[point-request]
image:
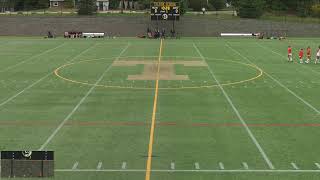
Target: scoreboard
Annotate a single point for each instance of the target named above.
(165, 11)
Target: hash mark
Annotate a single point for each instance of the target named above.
(294, 166)
(245, 165)
(124, 165)
(172, 166)
(75, 165)
(99, 165)
(221, 165)
(197, 166)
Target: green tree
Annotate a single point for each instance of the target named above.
(18, 5)
(42, 4)
(218, 4)
(235, 3)
(69, 3)
(304, 7)
(183, 5)
(300, 7)
(197, 5)
(87, 7)
(30, 4)
(145, 3)
(251, 8)
(316, 10)
(113, 4)
(278, 5)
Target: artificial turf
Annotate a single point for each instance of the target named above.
(248, 106)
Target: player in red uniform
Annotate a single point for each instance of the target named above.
(301, 56)
(308, 54)
(289, 54)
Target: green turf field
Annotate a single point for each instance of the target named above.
(225, 109)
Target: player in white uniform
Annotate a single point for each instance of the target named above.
(318, 56)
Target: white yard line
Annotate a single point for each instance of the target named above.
(278, 82)
(42, 78)
(194, 170)
(262, 152)
(31, 58)
(79, 103)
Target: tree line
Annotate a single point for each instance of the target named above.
(256, 8)
(244, 8)
(19, 5)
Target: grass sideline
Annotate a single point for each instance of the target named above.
(197, 133)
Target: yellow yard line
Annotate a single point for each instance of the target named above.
(153, 123)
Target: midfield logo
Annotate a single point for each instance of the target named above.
(167, 69)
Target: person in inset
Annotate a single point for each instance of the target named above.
(308, 54)
(289, 54)
(163, 33)
(149, 35)
(157, 33)
(301, 55)
(173, 33)
(318, 56)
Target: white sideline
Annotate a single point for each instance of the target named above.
(32, 57)
(41, 79)
(195, 171)
(79, 103)
(279, 83)
(262, 152)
